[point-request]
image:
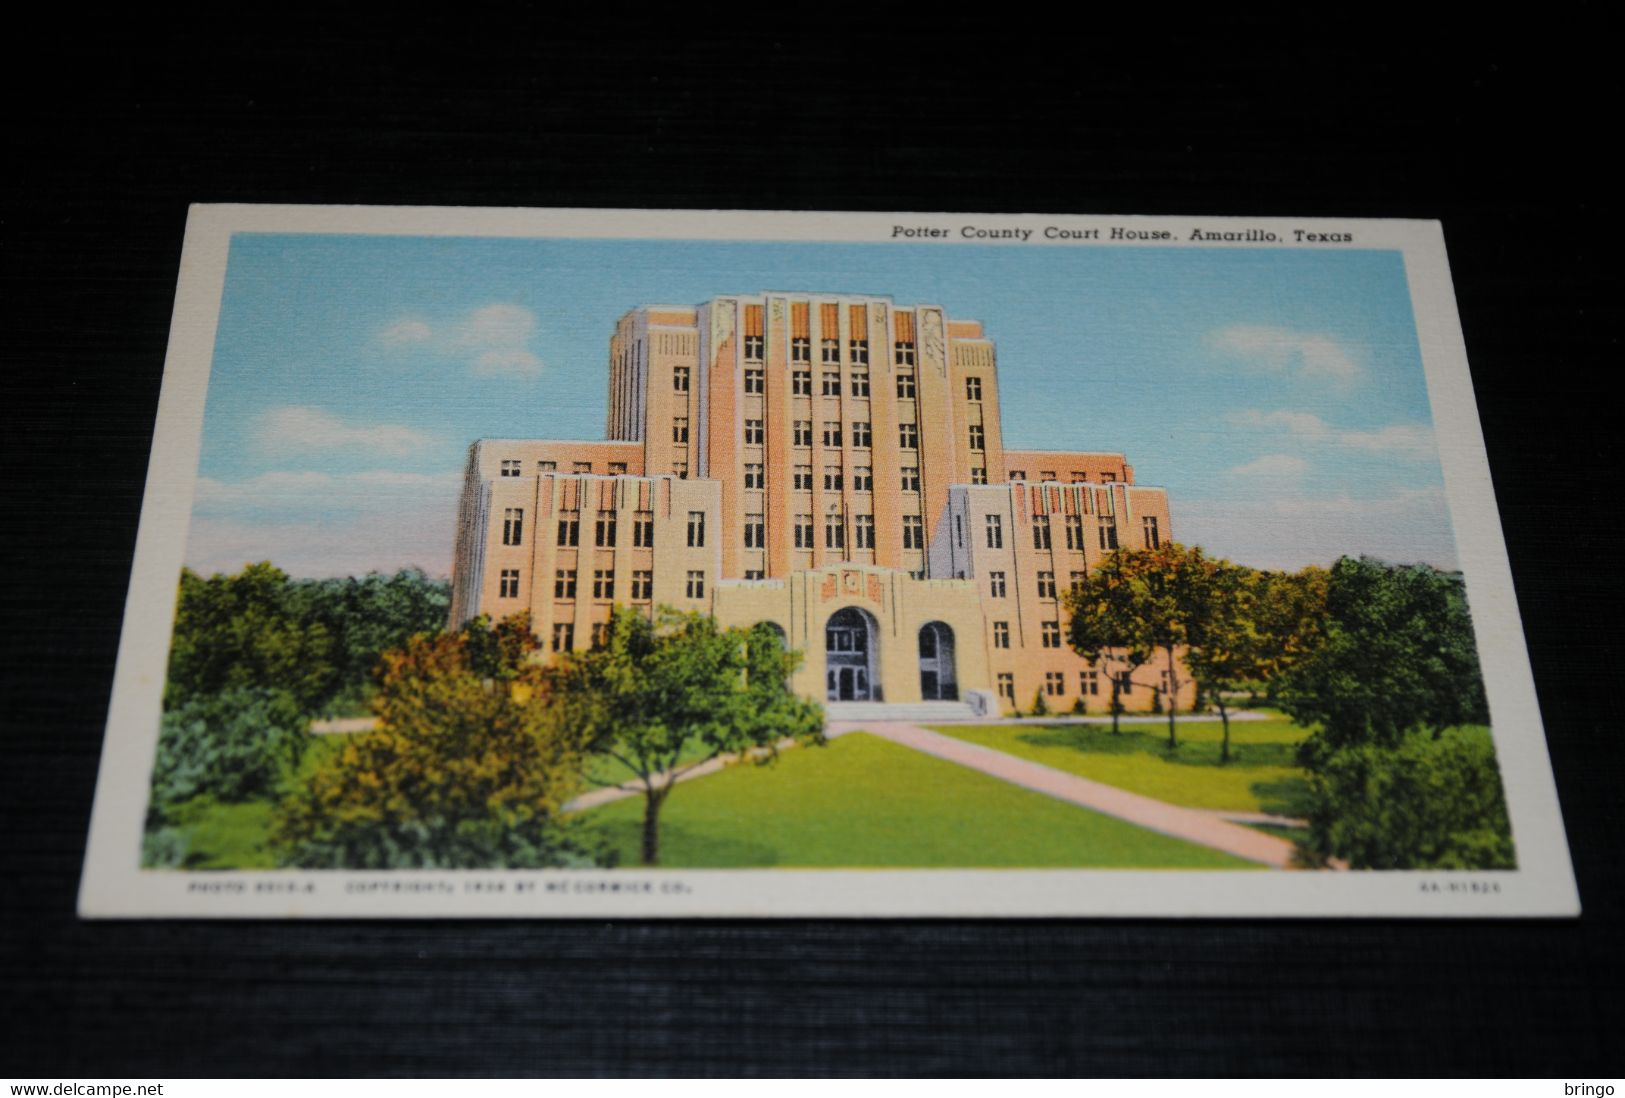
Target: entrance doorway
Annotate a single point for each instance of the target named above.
(850, 642)
(938, 681)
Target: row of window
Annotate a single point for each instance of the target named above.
(513, 467)
(863, 531)
(1055, 684)
(829, 349)
(1078, 476)
(605, 530)
(1049, 634)
(1106, 532)
(603, 584)
(801, 381)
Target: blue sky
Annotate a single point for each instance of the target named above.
(1277, 394)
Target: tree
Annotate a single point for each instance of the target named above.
(1104, 629)
(246, 630)
(465, 769)
(368, 615)
(1398, 654)
(1155, 600)
(665, 695)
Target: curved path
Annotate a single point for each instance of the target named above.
(1190, 824)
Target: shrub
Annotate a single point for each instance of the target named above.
(1433, 802)
(1040, 706)
(233, 746)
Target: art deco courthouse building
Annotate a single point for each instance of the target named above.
(834, 465)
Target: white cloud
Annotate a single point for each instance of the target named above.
(300, 429)
(1408, 526)
(407, 331)
(1282, 350)
(1412, 441)
(1273, 465)
(364, 491)
(493, 340)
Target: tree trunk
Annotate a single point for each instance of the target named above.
(1224, 715)
(1117, 703)
(1173, 695)
(651, 825)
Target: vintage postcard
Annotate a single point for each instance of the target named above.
(521, 563)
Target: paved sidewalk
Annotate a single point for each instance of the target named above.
(1189, 824)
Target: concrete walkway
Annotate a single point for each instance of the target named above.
(1189, 824)
(633, 787)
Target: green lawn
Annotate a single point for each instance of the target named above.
(225, 836)
(864, 802)
(1260, 777)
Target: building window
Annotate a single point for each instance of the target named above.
(513, 526)
(905, 352)
(755, 532)
(995, 532)
(1074, 579)
(1108, 533)
(1152, 538)
(1089, 683)
(834, 532)
(803, 478)
(1125, 685)
(973, 388)
(604, 530)
(1074, 532)
(564, 636)
(908, 436)
(1040, 531)
(862, 435)
(564, 583)
(1108, 478)
(679, 379)
(832, 478)
(600, 633)
(913, 532)
(1046, 475)
(755, 381)
(1078, 476)
(829, 350)
(617, 468)
(804, 532)
(801, 383)
(803, 432)
(755, 476)
(832, 383)
(905, 386)
(863, 478)
(1018, 474)
(696, 585)
(858, 351)
(680, 469)
(643, 585)
(1001, 634)
(863, 531)
(643, 529)
(1051, 634)
(753, 432)
(696, 529)
(800, 349)
(978, 475)
(1054, 683)
(679, 429)
(510, 584)
(995, 585)
(959, 530)
(569, 528)
(832, 434)
(1007, 686)
(911, 478)
(581, 467)
(603, 584)
(755, 347)
(978, 437)
(755, 574)
(860, 383)
(1046, 585)
(546, 466)
(510, 468)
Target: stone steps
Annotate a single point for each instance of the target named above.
(913, 711)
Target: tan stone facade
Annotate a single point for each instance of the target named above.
(833, 464)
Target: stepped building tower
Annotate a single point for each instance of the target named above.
(835, 465)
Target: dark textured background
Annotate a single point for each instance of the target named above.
(113, 130)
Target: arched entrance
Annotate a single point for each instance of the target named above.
(851, 642)
(938, 682)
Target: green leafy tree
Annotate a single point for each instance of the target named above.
(233, 746)
(465, 769)
(368, 615)
(1432, 802)
(1103, 627)
(1397, 654)
(666, 695)
(247, 631)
